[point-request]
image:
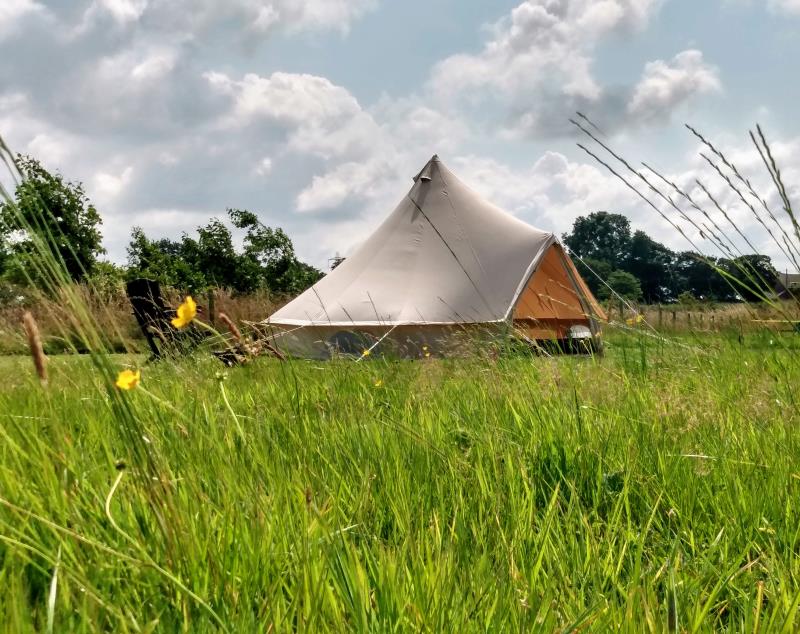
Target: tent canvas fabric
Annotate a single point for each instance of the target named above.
(444, 259)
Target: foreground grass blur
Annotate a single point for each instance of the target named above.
(654, 488)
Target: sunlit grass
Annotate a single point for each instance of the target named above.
(657, 485)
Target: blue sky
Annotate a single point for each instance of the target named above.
(316, 114)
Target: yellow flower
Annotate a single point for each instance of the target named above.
(128, 379)
(427, 354)
(635, 320)
(365, 353)
(378, 383)
(186, 313)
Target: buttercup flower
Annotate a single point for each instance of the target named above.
(378, 383)
(635, 320)
(128, 379)
(365, 353)
(186, 313)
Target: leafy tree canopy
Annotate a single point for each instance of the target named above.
(57, 213)
(267, 259)
(624, 284)
(601, 236)
(604, 248)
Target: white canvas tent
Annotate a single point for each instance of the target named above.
(445, 260)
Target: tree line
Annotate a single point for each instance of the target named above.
(611, 257)
(46, 207)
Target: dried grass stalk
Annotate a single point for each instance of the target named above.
(35, 345)
(231, 326)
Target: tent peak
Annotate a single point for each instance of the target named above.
(425, 173)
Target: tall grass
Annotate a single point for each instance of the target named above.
(654, 488)
(699, 216)
(111, 312)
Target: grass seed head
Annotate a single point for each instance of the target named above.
(35, 346)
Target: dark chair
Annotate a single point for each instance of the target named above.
(154, 319)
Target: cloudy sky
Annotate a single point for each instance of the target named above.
(316, 113)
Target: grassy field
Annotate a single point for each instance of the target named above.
(656, 488)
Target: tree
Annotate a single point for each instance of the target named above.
(213, 255)
(273, 251)
(754, 276)
(601, 236)
(107, 280)
(700, 276)
(162, 260)
(57, 212)
(653, 265)
(211, 260)
(594, 273)
(624, 284)
(604, 245)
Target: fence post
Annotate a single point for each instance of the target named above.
(212, 313)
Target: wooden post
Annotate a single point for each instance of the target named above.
(212, 312)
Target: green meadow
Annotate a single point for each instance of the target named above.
(654, 488)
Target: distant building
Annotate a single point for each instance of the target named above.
(788, 285)
(335, 261)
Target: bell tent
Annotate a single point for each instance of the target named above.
(444, 263)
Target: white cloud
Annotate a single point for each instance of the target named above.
(195, 17)
(123, 11)
(155, 65)
(13, 11)
(551, 193)
(266, 18)
(284, 97)
(364, 153)
(24, 132)
(136, 86)
(666, 85)
(537, 62)
(389, 145)
(364, 180)
(264, 167)
(316, 14)
(785, 6)
(108, 186)
(167, 158)
(141, 63)
(52, 147)
(317, 117)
